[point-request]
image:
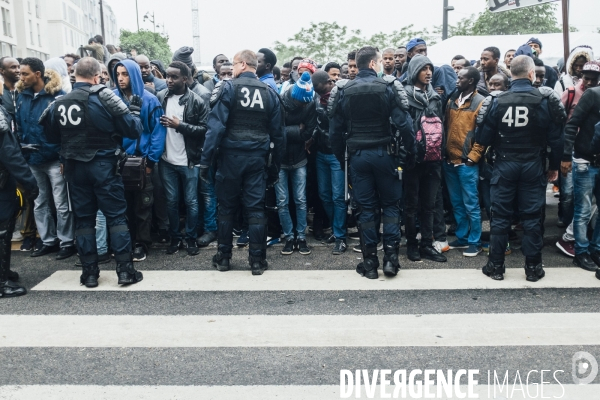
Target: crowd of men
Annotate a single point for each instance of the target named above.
(382, 141)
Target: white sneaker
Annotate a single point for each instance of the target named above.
(441, 247)
(17, 237)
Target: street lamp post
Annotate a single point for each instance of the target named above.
(445, 23)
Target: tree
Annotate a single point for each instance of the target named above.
(525, 20)
(151, 44)
(326, 41)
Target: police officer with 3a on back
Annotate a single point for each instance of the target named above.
(520, 123)
(90, 123)
(245, 118)
(362, 108)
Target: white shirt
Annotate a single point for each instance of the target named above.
(174, 144)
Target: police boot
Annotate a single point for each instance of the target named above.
(390, 260)
(534, 271)
(6, 230)
(221, 261)
(125, 271)
(494, 270)
(7, 287)
(89, 270)
(258, 265)
(368, 268)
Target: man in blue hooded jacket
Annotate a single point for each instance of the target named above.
(150, 146)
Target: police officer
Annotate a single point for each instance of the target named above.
(362, 108)
(245, 118)
(13, 168)
(520, 123)
(90, 123)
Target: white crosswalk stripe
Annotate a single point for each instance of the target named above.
(416, 279)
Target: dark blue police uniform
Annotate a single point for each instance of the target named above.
(13, 168)
(520, 124)
(90, 123)
(245, 118)
(362, 109)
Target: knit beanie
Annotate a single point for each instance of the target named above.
(184, 54)
(303, 89)
(308, 64)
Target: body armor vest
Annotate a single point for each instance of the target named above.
(368, 113)
(248, 118)
(520, 131)
(80, 139)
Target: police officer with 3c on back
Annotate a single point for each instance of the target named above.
(245, 119)
(520, 123)
(362, 108)
(90, 123)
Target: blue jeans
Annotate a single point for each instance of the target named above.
(297, 176)
(207, 194)
(330, 178)
(171, 176)
(462, 184)
(101, 233)
(584, 187)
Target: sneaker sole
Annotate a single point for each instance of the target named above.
(584, 268)
(304, 253)
(139, 259)
(458, 247)
(287, 253)
(564, 251)
(471, 254)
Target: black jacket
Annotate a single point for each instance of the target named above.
(193, 127)
(9, 101)
(295, 154)
(322, 131)
(580, 128)
(11, 158)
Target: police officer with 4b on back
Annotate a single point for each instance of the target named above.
(520, 124)
(362, 108)
(245, 120)
(90, 123)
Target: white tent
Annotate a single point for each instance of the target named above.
(472, 46)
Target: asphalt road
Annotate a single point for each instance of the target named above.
(164, 370)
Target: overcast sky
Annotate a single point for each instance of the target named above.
(227, 27)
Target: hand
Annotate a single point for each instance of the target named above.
(204, 173)
(135, 105)
(272, 176)
(307, 144)
(439, 91)
(552, 176)
(167, 122)
(149, 85)
(148, 170)
(565, 167)
(31, 195)
(62, 169)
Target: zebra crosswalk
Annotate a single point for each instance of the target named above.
(195, 333)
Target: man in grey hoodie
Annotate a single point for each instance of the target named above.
(422, 182)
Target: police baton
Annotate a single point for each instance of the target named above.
(346, 195)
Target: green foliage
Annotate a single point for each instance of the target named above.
(326, 41)
(151, 44)
(525, 20)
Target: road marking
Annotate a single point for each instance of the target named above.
(325, 392)
(446, 330)
(412, 279)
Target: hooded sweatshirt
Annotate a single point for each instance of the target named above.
(152, 142)
(118, 57)
(568, 78)
(419, 100)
